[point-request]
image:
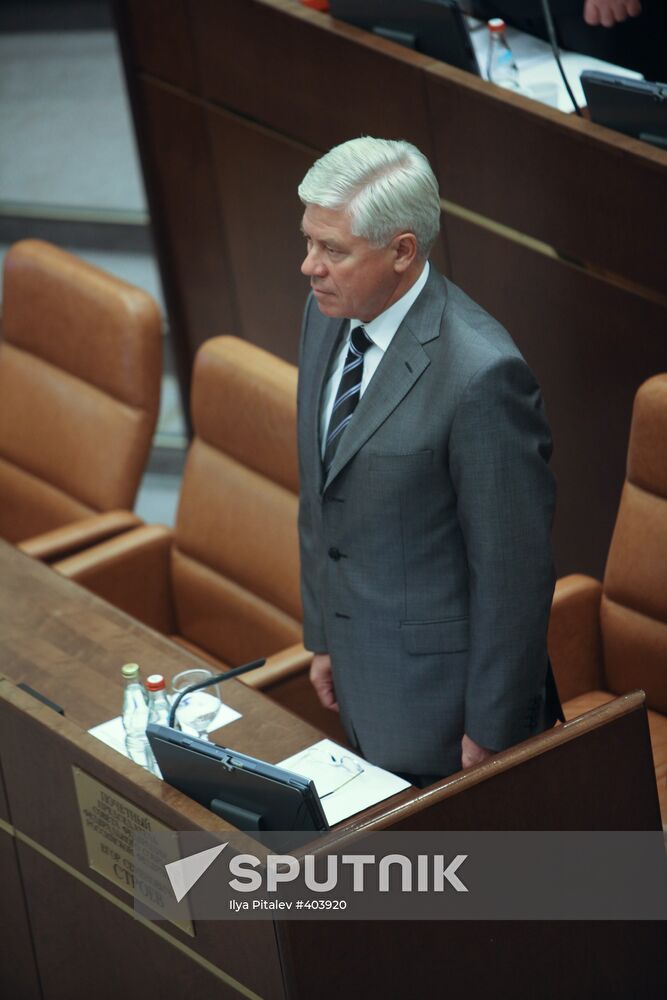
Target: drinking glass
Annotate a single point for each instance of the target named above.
(198, 709)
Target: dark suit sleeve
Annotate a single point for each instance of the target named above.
(314, 638)
(309, 544)
(499, 450)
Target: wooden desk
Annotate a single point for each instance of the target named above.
(69, 645)
(70, 933)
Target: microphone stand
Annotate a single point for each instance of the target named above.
(551, 31)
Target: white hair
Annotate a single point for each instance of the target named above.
(386, 186)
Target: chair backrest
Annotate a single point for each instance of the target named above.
(80, 372)
(235, 562)
(633, 613)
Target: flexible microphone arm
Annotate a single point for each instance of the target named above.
(551, 31)
(227, 676)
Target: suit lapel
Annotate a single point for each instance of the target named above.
(404, 362)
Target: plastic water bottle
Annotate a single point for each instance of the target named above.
(158, 704)
(135, 714)
(501, 67)
(158, 713)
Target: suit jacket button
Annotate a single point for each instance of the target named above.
(334, 553)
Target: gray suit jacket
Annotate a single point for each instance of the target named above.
(425, 555)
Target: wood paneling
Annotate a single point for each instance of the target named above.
(513, 959)
(88, 952)
(194, 251)
(159, 35)
(18, 973)
(593, 195)
(307, 76)
(259, 172)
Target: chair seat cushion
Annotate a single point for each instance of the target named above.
(657, 725)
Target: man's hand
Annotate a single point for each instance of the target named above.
(610, 12)
(473, 753)
(321, 677)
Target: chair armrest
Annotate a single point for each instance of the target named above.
(72, 538)
(279, 668)
(132, 571)
(575, 645)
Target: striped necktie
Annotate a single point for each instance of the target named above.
(349, 391)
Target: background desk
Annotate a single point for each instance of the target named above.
(69, 933)
(554, 225)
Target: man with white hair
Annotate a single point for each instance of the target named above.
(426, 498)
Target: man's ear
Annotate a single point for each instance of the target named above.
(405, 249)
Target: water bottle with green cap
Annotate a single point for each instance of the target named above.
(135, 711)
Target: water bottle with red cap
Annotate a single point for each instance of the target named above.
(158, 703)
(501, 67)
(135, 709)
(158, 713)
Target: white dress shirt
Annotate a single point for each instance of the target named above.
(381, 332)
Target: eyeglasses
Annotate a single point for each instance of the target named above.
(329, 771)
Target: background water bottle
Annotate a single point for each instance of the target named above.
(501, 67)
(135, 711)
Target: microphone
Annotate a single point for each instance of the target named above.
(227, 676)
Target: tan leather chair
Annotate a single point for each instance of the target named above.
(610, 638)
(225, 582)
(80, 372)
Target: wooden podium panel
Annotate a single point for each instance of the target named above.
(513, 959)
(18, 973)
(96, 949)
(71, 905)
(613, 791)
(597, 779)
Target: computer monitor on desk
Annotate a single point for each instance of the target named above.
(634, 107)
(435, 27)
(249, 793)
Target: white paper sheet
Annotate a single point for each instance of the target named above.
(347, 784)
(113, 734)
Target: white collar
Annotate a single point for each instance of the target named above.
(381, 330)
